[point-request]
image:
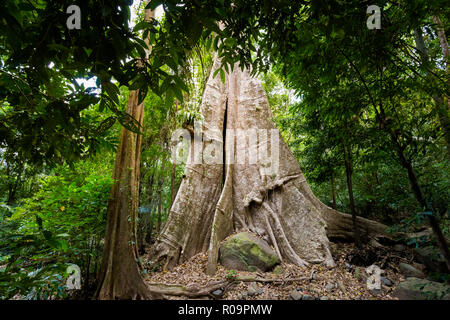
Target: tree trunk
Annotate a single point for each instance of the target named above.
(442, 106)
(269, 197)
(144, 221)
(12, 187)
(444, 111)
(415, 186)
(158, 226)
(333, 192)
(349, 172)
(119, 276)
(443, 42)
(174, 164)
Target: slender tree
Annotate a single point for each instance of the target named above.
(120, 276)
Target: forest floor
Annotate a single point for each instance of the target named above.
(346, 281)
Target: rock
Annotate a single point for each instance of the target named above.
(386, 281)
(348, 266)
(307, 297)
(421, 289)
(431, 258)
(251, 292)
(360, 274)
(246, 252)
(375, 292)
(278, 270)
(252, 289)
(295, 295)
(410, 271)
(217, 293)
(330, 286)
(324, 298)
(399, 248)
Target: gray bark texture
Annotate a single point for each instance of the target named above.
(272, 201)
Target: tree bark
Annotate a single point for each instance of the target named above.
(158, 225)
(277, 204)
(348, 159)
(174, 164)
(333, 192)
(119, 276)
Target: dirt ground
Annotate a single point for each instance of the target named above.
(347, 281)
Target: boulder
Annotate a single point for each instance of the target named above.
(431, 258)
(246, 252)
(410, 271)
(421, 289)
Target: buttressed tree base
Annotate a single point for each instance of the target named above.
(269, 197)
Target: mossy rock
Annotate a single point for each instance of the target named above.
(421, 289)
(246, 252)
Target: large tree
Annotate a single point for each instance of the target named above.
(233, 184)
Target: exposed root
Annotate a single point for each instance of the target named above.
(195, 291)
(340, 227)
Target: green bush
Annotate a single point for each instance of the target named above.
(62, 224)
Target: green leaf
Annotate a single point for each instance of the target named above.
(222, 75)
(153, 4)
(112, 90)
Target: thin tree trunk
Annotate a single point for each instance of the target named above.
(441, 106)
(443, 42)
(333, 193)
(174, 164)
(144, 221)
(158, 226)
(119, 276)
(88, 268)
(444, 114)
(148, 237)
(348, 159)
(415, 186)
(13, 187)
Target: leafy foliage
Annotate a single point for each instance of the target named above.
(62, 224)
